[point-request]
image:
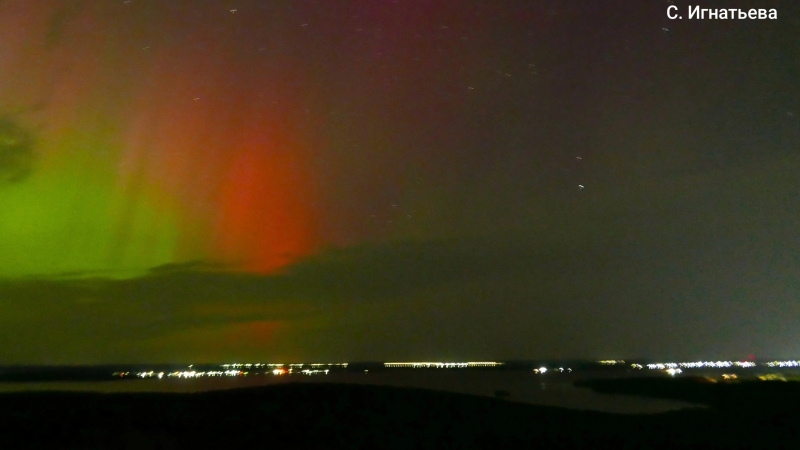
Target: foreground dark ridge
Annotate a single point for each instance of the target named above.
(779, 397)
(351, 416)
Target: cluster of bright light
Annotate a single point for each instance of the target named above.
(662, 366)
(701, 364)
(441, 365)
(260, 365)
(231, 371)
(542, 370)
(150, 374)
(784, 364)
(636, 366)
(249, 366)
(195, 374)
(772, 377)
(729, 376)
(611, 362)
(283, 371)
(674, 372)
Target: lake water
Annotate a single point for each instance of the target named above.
(526, 387)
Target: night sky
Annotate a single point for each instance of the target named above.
(286, 181)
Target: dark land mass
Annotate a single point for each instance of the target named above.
(780, 397)
(354, 416)
(32, 374)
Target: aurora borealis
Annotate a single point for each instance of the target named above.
(153, 151)
(421, 179)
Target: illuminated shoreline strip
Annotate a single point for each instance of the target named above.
(701, 364)
(324, 368)
(442, 365)
(258, 365)
(783, 364)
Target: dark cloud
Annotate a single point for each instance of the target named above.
(643, 272)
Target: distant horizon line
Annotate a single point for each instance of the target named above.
(397, 363)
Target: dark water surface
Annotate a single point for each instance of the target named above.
(548, 389)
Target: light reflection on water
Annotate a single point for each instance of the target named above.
(549, 389)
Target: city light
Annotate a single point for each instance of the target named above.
(702, 364)
(772, 377)
(441, 365)
(543, 370)
(279, 369)
(611, 362)
(275, 365)
(783, 364)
